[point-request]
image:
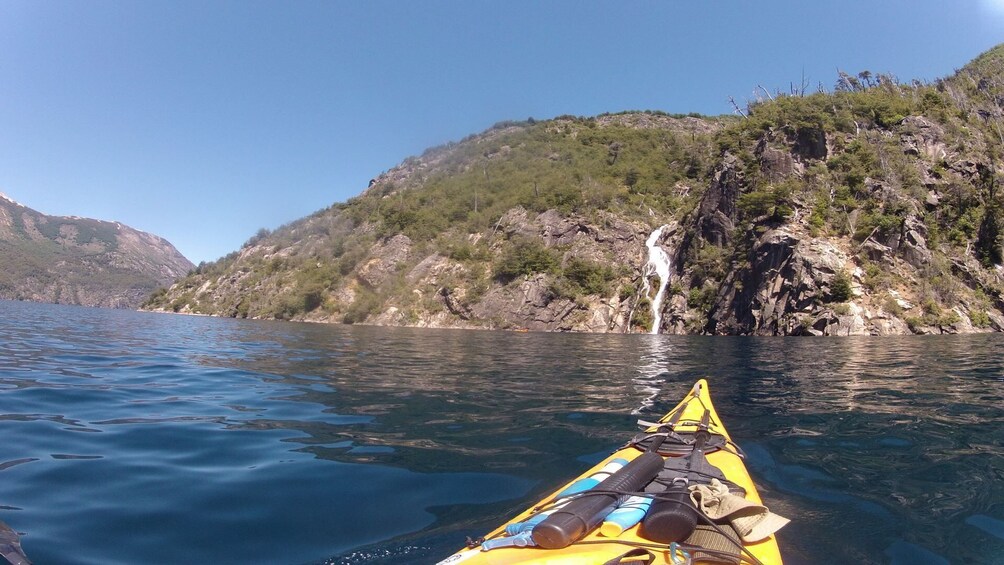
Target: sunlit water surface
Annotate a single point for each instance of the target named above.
(142, 438)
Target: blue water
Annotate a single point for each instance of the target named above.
(148, 438)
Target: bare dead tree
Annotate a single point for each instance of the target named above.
(801, 88)
(497, 224)
(847, 83)
(738, 110)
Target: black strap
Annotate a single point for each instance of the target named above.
(639, 555)
(677, 443)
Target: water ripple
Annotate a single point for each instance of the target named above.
(230, 441)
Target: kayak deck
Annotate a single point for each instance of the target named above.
(685, 418)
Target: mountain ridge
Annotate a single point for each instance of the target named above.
(82, 261)
(872, 209)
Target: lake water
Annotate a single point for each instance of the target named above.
(131, 437)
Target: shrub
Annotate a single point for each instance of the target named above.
(931, 308)
(979, 318)
(892, 306)
(988, 241)
(464, 251)
(949, 318)
(642, 318)
(261, 234)
(708, 263)
(525, 256)
(156, 299)
(858, 162)
(875, 277)
(625, 293)
(590, 277)
(756, 203)
(243, 308)
(840, 287)
(817, 218)
(702, 298)
(365, 304)
(311, 297)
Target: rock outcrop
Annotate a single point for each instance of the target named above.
(716, 216)
(787, 277)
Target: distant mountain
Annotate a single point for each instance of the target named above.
(71, 260)
(875, 208)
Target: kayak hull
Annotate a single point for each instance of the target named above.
(595, 548)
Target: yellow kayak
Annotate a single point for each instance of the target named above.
(677, 493)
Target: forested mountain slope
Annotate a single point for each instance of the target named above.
(71, 260)
(871, 209)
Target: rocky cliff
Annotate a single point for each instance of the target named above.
(70, 260)
(871, 209)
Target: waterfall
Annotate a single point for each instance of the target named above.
(658, 264)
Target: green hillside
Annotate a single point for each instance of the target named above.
(872, 208)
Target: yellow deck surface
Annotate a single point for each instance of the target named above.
(601, 549)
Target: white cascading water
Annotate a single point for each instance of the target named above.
(658, 264)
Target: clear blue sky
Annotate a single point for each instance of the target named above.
(203, 121)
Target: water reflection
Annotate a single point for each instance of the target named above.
(894, 443)
(653, 368)
(439, 400)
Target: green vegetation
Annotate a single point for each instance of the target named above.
(365, 304)
(771, 200)
(569, 164)
(933, 316)
(702, 298)
(880, 167)
(642, 319)
(525, 257)
(588, 277)
(988, 241)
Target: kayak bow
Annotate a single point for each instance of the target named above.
(687, 456)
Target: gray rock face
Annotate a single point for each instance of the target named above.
(776, 164)
(556, 229)
(787, 276)
(453, 303)
(913, 243)
(717, 213)
(385, 258)
(922, 137)
(810, 143)
(515, 222)
(528, 304)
